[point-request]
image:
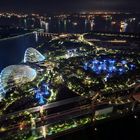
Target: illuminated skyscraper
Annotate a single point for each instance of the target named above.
(46, 27)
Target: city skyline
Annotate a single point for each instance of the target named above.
(55, 6)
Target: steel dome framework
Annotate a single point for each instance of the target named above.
(14, 75)
(32, 55)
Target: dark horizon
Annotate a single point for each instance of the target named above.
(63, 6)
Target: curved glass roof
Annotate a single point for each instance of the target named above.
(32, 55)
(14, 75)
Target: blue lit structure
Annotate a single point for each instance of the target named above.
(40, 98)
(132, 66)
(41, 93)
(108, 67)
(124, 62)
(45, 89)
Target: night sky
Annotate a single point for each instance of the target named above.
(69, 5)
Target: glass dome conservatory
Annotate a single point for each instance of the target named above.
(14, 75)
(32, 55)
